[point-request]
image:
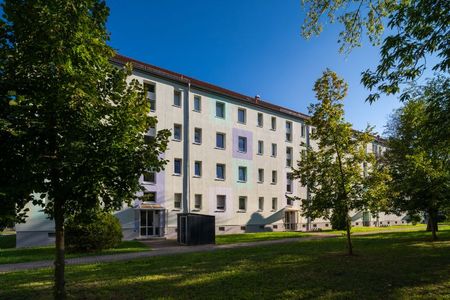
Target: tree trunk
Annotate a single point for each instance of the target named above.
(432, 224)
(60, 284)
(349, 239)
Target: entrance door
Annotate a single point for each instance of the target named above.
(149, 223)
(290, 220)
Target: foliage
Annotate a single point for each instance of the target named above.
(334, 173)
(71, 125)
(419, 151)
(418, 29)
(102, 231)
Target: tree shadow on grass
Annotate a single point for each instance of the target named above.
(384, 267)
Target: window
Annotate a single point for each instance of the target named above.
(274, 177)
(304, 154)
(177, 166)
(198, 201)
(274, 150)
(260, 120)
(198, 168)
(150, 135)
(197, 103)
(289, 186)
(177, 132)
(241, 115)
(149, 196)
(303, 130)
(177, 201)
(220, 171)
(289, 201)
(260, 175)
(260, 147)
(274, 203)
(313, 130)
(177, 98)
(221, 202)
(220, 140)
(242, 142)
(150, 177)
(242, 203)
(288, 131)
(197, 136)
(274, 123)
(242, 173)
(220, 110)
(261, 203)
(288, 157)
(151, 96)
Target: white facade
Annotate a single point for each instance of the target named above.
(254, 161)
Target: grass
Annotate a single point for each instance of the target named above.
(255, 237)
(386, 228)
(13, 255)
(391, 265)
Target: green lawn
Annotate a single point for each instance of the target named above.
(386, 228)
(255, 237)
(8, 256)
(386, 266)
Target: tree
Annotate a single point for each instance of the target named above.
(419, 151)
(335, 172)
(72, 128)
(418, 29)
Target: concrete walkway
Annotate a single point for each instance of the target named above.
(170, 247)
(158, 249)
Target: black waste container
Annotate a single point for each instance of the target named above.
(196, 229)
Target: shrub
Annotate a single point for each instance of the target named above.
(98, 232)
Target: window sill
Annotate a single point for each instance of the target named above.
(260, 210)
(274, 156)
(273, 183)
(260, 154)
(219, 179)
(273, 129)
(178, 106)
(219, 211)
(176, 140)
(242, 181)
(197, 143)
(197, 176)
(241, 211)
(222, 118)
(260, 182)
(218, 148)
(259, 126)
(176, 174)
(176, 209)
(242, 123)
(290, 193)
(197, 209)
(243, 152)
(197, 111)
(148, 182)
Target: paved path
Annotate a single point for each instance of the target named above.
(170, 247)
(157, 251)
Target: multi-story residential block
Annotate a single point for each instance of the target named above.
(229, 156)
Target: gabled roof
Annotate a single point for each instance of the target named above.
(167, 74)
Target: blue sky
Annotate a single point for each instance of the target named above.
(249, 46)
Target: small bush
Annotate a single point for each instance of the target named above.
(102, 231)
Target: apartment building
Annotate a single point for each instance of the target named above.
(230, 156)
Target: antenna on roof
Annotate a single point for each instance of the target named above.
(257, 98)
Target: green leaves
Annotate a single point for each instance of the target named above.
(333, 172)
(419, 30)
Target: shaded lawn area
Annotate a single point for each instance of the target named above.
(389, 265)
(9, 256)
(255, 237)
